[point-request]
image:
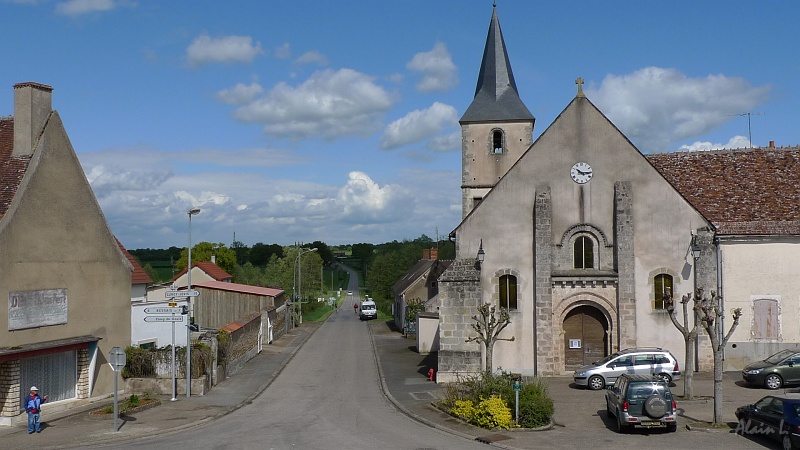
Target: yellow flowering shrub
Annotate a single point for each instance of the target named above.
(493, 413)
(463, 409)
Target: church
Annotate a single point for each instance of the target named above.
(579, 235)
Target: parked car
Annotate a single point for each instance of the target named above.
(641, 361)
(775, 416)
(641, 401)
(777, 370)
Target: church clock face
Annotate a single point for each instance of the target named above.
(581, 172)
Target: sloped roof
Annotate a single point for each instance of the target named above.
(214, 271)
(496, 96)
(12, 168)
(752, 191)
(240, 288)
(138, 276)
(432, 267)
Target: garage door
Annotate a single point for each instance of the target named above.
(585, 337)
(56, 375)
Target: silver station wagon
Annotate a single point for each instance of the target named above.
(635, 361)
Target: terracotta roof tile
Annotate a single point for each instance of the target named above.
(12, 169)
(138, 276)
(240, 288)
(744, 191)
(214, 271)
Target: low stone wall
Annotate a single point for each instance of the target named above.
(163, 386)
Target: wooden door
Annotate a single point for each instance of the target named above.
(585, 337)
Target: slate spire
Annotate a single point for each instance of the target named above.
(496, 96)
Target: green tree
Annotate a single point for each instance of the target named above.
(260, 253)
(241, 251)
(249, 274)
(148, 269)
(226, 258)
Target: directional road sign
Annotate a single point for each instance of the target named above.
(163, 310)
(182, 293)
(163, 318)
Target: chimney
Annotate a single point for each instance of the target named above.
(771, 144)
(32, 105)
(213, 259)
(426, 253)
(434, 254)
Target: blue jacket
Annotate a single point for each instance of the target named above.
(33, 404)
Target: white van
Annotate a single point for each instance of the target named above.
(367, 310)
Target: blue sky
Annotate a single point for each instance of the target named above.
(337, 121)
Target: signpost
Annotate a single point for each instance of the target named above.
(163, 319)
(172, 309)
(182, 293)
(117, 361)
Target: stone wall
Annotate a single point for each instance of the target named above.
(9, 388)
(460, 295)
(544, 354)
(83, 387)
(626, 266)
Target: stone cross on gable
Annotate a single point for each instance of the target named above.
(579, 82)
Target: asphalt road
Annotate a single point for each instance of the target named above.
(327, 397)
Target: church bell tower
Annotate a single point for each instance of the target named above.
(497, 127)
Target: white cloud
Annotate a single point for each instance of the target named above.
(446, 143)
(313, 57)
(419, 125)
(240, 94)
(436, 67)
(734, 142)
(283, 51)
(655, 106)
(78, 7)
(227, 49)
(329, 104)
(362, 200)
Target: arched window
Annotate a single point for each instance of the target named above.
(662, 285)
(508, 292)
(584, 253)
(497, 141)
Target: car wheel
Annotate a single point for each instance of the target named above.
(666, 378)
(672, 427)
(773, 381)
(655, 406)
(786, 443)
(596, 383)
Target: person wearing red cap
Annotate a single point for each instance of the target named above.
(33, 406)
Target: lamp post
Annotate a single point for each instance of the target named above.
(191, 212)
(696, 250)
(300, 252)
(481, 255)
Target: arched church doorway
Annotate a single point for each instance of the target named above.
(585, 336)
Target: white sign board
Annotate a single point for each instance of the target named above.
(163, 318)
(182, 293)
(163, 310)
(31, 309)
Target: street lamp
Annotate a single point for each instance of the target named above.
(481, 256)
(300, 252)
(696, 250)
(191, 212)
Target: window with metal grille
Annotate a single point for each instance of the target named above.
(56, 375)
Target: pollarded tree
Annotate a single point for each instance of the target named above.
(488, 326)
(689, 338)
(709, 311)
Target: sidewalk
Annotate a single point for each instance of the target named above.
(75, 427)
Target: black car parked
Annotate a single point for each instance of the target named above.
(775, 416)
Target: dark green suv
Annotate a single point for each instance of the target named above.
(641, 401)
